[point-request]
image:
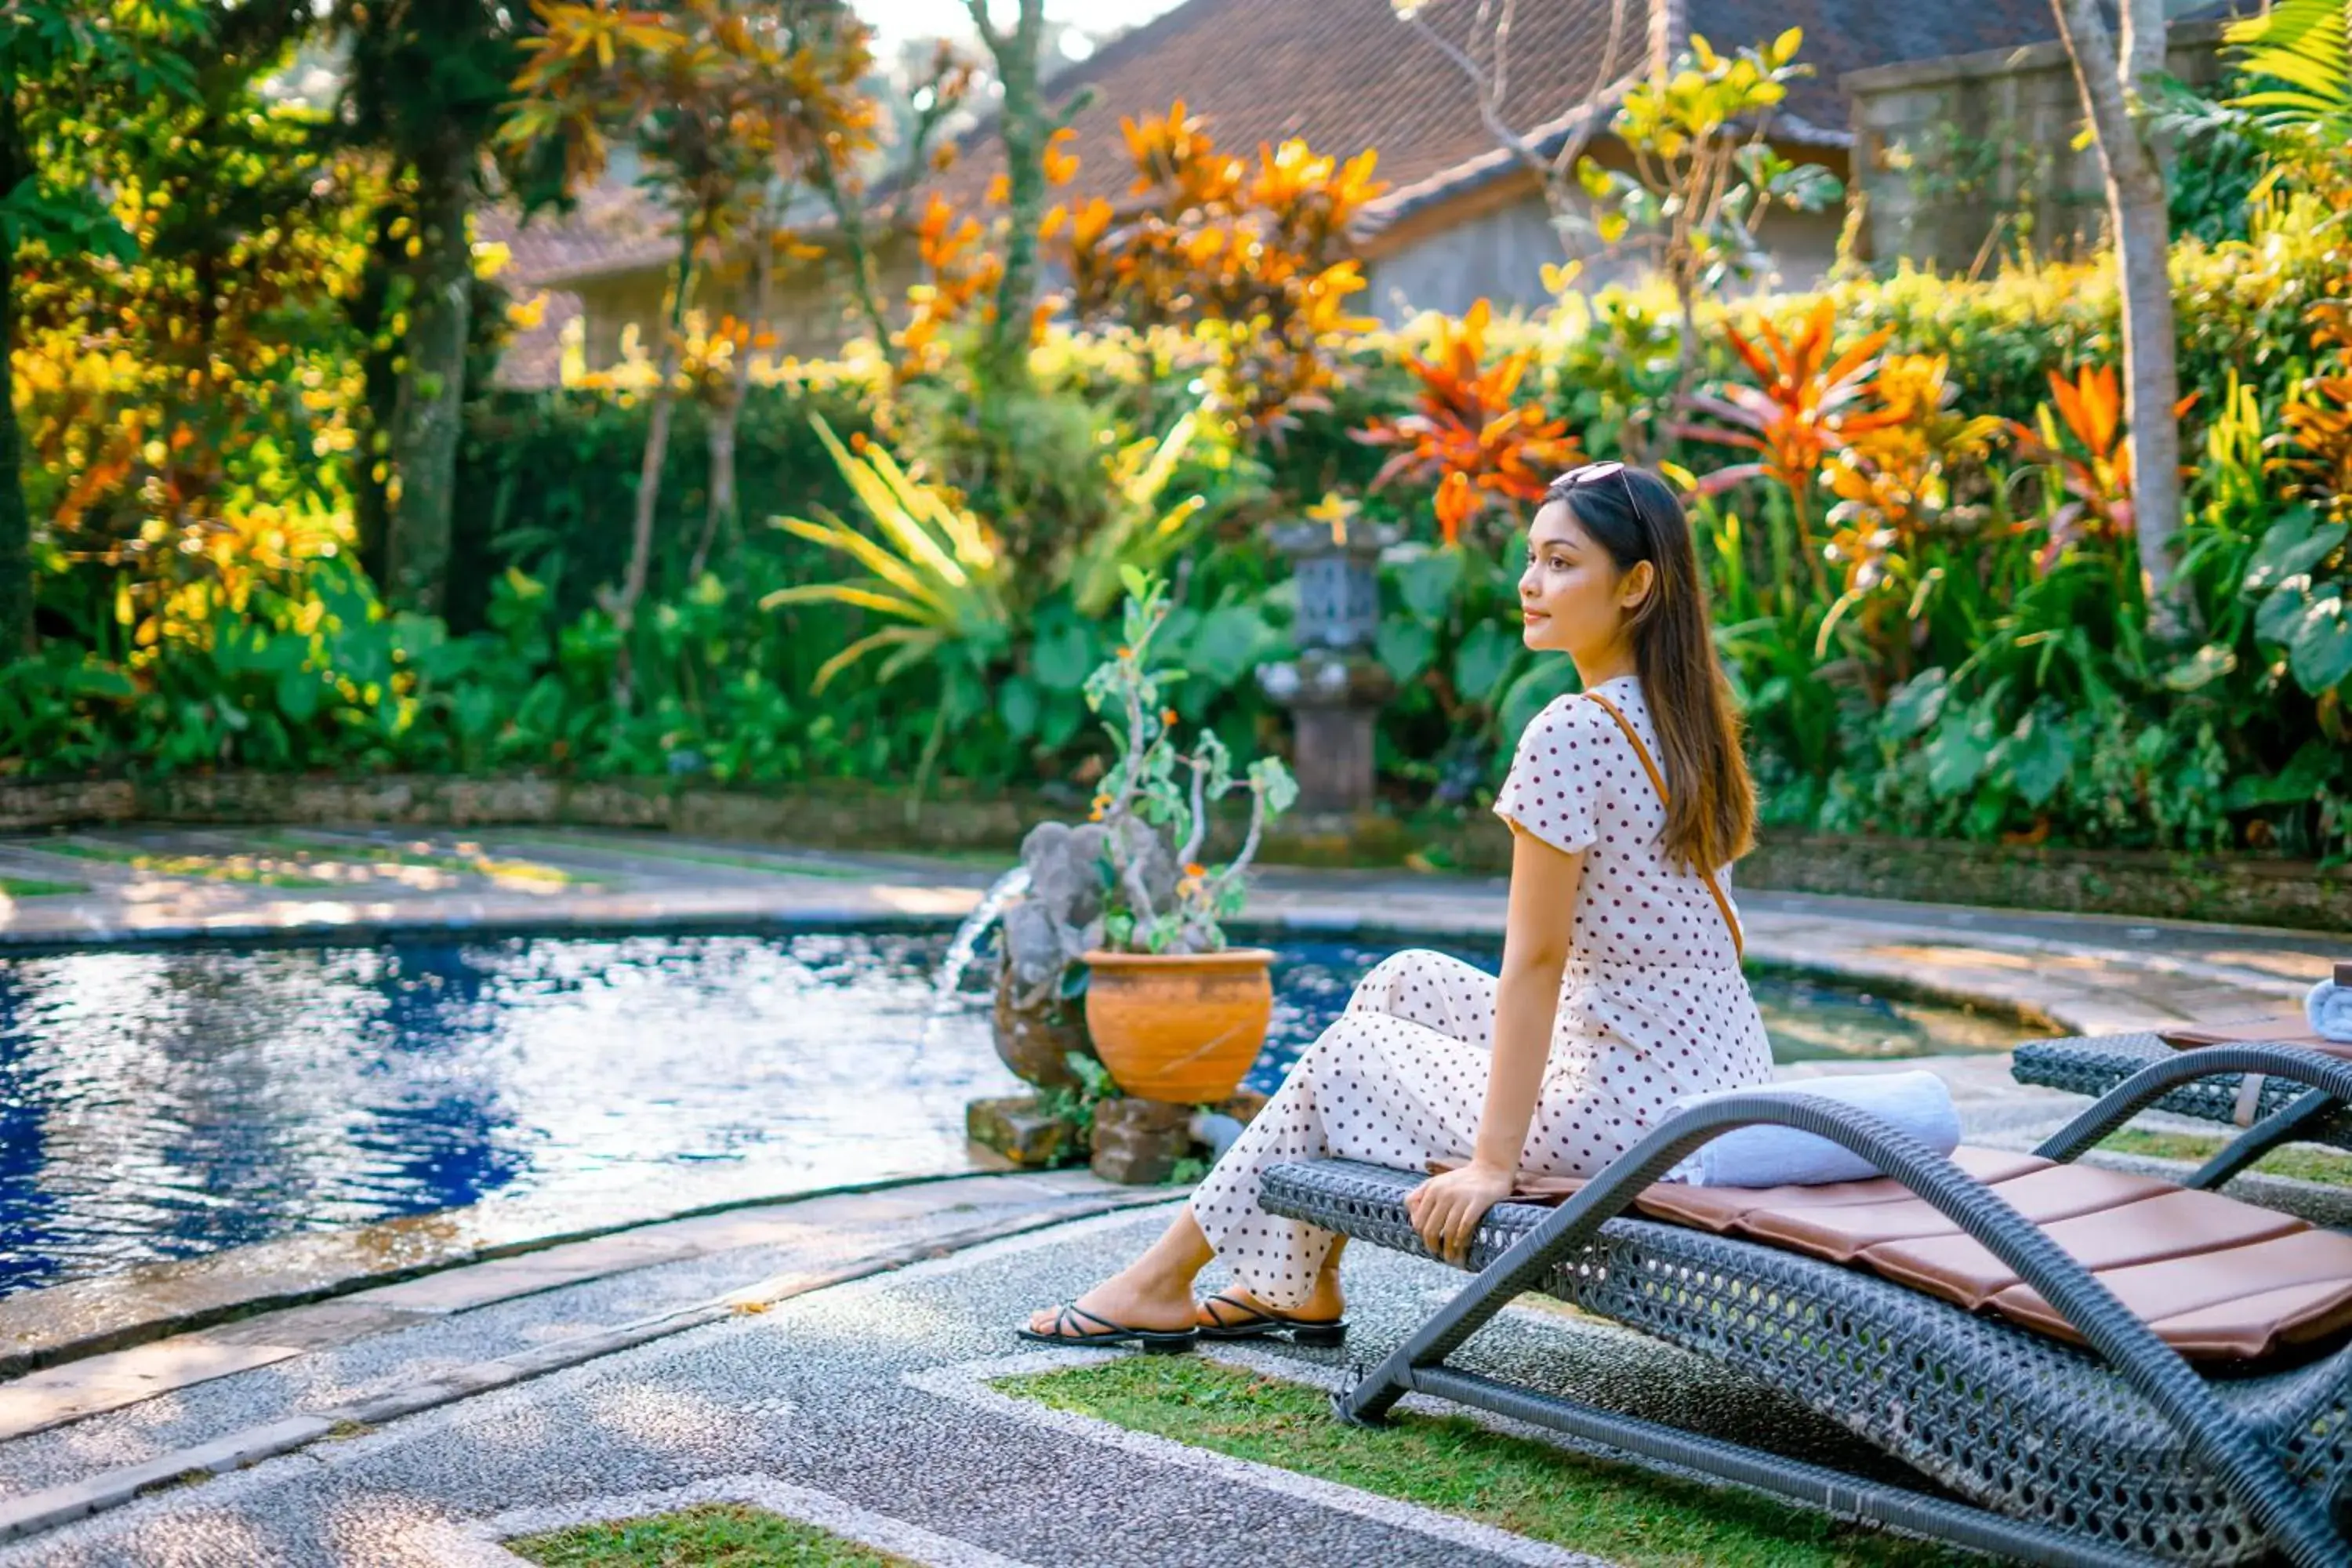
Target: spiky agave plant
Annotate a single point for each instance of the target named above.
(933, 572)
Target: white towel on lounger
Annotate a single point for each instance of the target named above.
(1770, 1156)
(2329, 1009)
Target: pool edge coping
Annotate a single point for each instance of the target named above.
(1987, 997)
(27, 1514)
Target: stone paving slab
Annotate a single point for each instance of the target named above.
(98, 1383)
(105, 1312)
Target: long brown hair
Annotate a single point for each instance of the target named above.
(1711, 801)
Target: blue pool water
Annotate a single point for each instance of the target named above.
(164, 1104)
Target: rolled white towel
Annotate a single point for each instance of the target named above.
(1917, 1101)
(2329, 1009)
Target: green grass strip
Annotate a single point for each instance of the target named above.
(208, 867)
(720, 1535)
(35, 887)
(1456, 1465)
(2300, 1162)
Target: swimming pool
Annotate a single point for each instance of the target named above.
(168, 1103)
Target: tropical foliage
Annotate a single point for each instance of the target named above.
(1910, 492)
(1169, 794)
(1470, 436)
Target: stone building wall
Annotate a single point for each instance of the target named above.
(1965, 157)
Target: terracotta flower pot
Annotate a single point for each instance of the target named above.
(1179, 1026)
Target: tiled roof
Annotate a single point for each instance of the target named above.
(1346, 75)
(614, 228)
(1343, 74)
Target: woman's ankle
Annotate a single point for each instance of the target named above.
(1155, 1280)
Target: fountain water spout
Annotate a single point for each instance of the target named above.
(948, 982)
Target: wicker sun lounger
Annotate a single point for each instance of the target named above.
(2092, 1065)
(2064, 1427)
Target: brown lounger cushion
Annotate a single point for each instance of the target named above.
(2173, 1224)
(2289, 1029)
(1721, 1209)
(2216, 1278)
(2236, 1303)
(1842, 1235)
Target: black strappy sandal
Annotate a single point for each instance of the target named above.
(1159, 1342)
(1256, 1322)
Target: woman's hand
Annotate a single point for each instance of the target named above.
(1445, 1210)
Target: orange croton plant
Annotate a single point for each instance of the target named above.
(1810, 403)
(1253, 256)
(2319, 418)
(2094, 470)
(1898, 480)
(1469, 432)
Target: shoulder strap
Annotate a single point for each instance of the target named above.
(1658, 781)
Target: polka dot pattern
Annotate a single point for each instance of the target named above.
(1652, 1007)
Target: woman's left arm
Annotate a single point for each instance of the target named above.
(1445, 1210)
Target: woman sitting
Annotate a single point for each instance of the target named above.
(1621, 989)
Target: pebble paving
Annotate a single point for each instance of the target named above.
(816, 1394)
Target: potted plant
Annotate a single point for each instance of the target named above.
(1123, 906)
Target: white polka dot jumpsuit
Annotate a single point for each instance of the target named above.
(1652, 1007)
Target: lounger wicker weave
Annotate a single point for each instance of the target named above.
(2094, 1064)
(2118, 1453)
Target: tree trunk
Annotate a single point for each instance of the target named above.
(427, 411)
(857, 251)
(16, 519)
(1023, 127)
(623, 606)
(2152, 375)
(2136, 212)
(721, 511)
(728, 411)
(368, 312)
(1667, 26)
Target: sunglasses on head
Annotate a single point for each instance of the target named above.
(1601, 473)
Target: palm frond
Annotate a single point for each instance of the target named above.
(850, 593)
(864, 646)
(934, 571)
(837, 535)
(2306, 46)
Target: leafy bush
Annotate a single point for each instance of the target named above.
(1924, 590)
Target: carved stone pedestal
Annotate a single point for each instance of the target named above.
(1335, 688)
(1015, 1127)
(1138, 1142)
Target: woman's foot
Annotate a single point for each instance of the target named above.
(1232, 1306)
(1134, 1300)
